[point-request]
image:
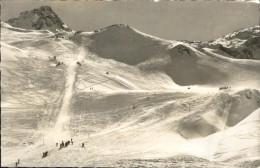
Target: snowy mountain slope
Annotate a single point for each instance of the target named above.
(191, 66)
(222, 111)
(110, 127)
(185, 64)
(133, 99)
(240, 141)
(29, 68)
(241, 44)
(124, 44)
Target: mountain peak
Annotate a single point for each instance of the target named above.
(42, 18)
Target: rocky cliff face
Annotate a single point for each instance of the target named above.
(39, 19)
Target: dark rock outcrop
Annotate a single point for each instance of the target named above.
(43, 18)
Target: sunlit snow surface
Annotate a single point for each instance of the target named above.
(140, 115)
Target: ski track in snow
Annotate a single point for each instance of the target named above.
(61, 130)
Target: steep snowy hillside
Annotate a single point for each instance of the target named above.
(134, 100)
(124, 44)
(189, 66)
(242, 44)
(184, 63)
(42, 18)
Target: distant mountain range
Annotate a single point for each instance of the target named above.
(241, 44)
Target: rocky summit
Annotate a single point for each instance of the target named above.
(43, 18)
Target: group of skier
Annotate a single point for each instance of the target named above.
(62, 144)
(224, 87)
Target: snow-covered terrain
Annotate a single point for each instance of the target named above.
(134, 100)
(241, 44)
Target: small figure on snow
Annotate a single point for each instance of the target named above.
(44, 154)
(58, 64)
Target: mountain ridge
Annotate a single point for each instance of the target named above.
(240, 44)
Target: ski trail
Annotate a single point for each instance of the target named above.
(63, 118)
(61, 131)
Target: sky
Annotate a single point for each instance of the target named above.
(176, 20)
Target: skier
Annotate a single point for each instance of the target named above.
(16, 164)
(18, 161)
(57, 64)
(82, 145)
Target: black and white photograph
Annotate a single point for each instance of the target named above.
(128, 83)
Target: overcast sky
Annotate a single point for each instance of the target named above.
(181, 20)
